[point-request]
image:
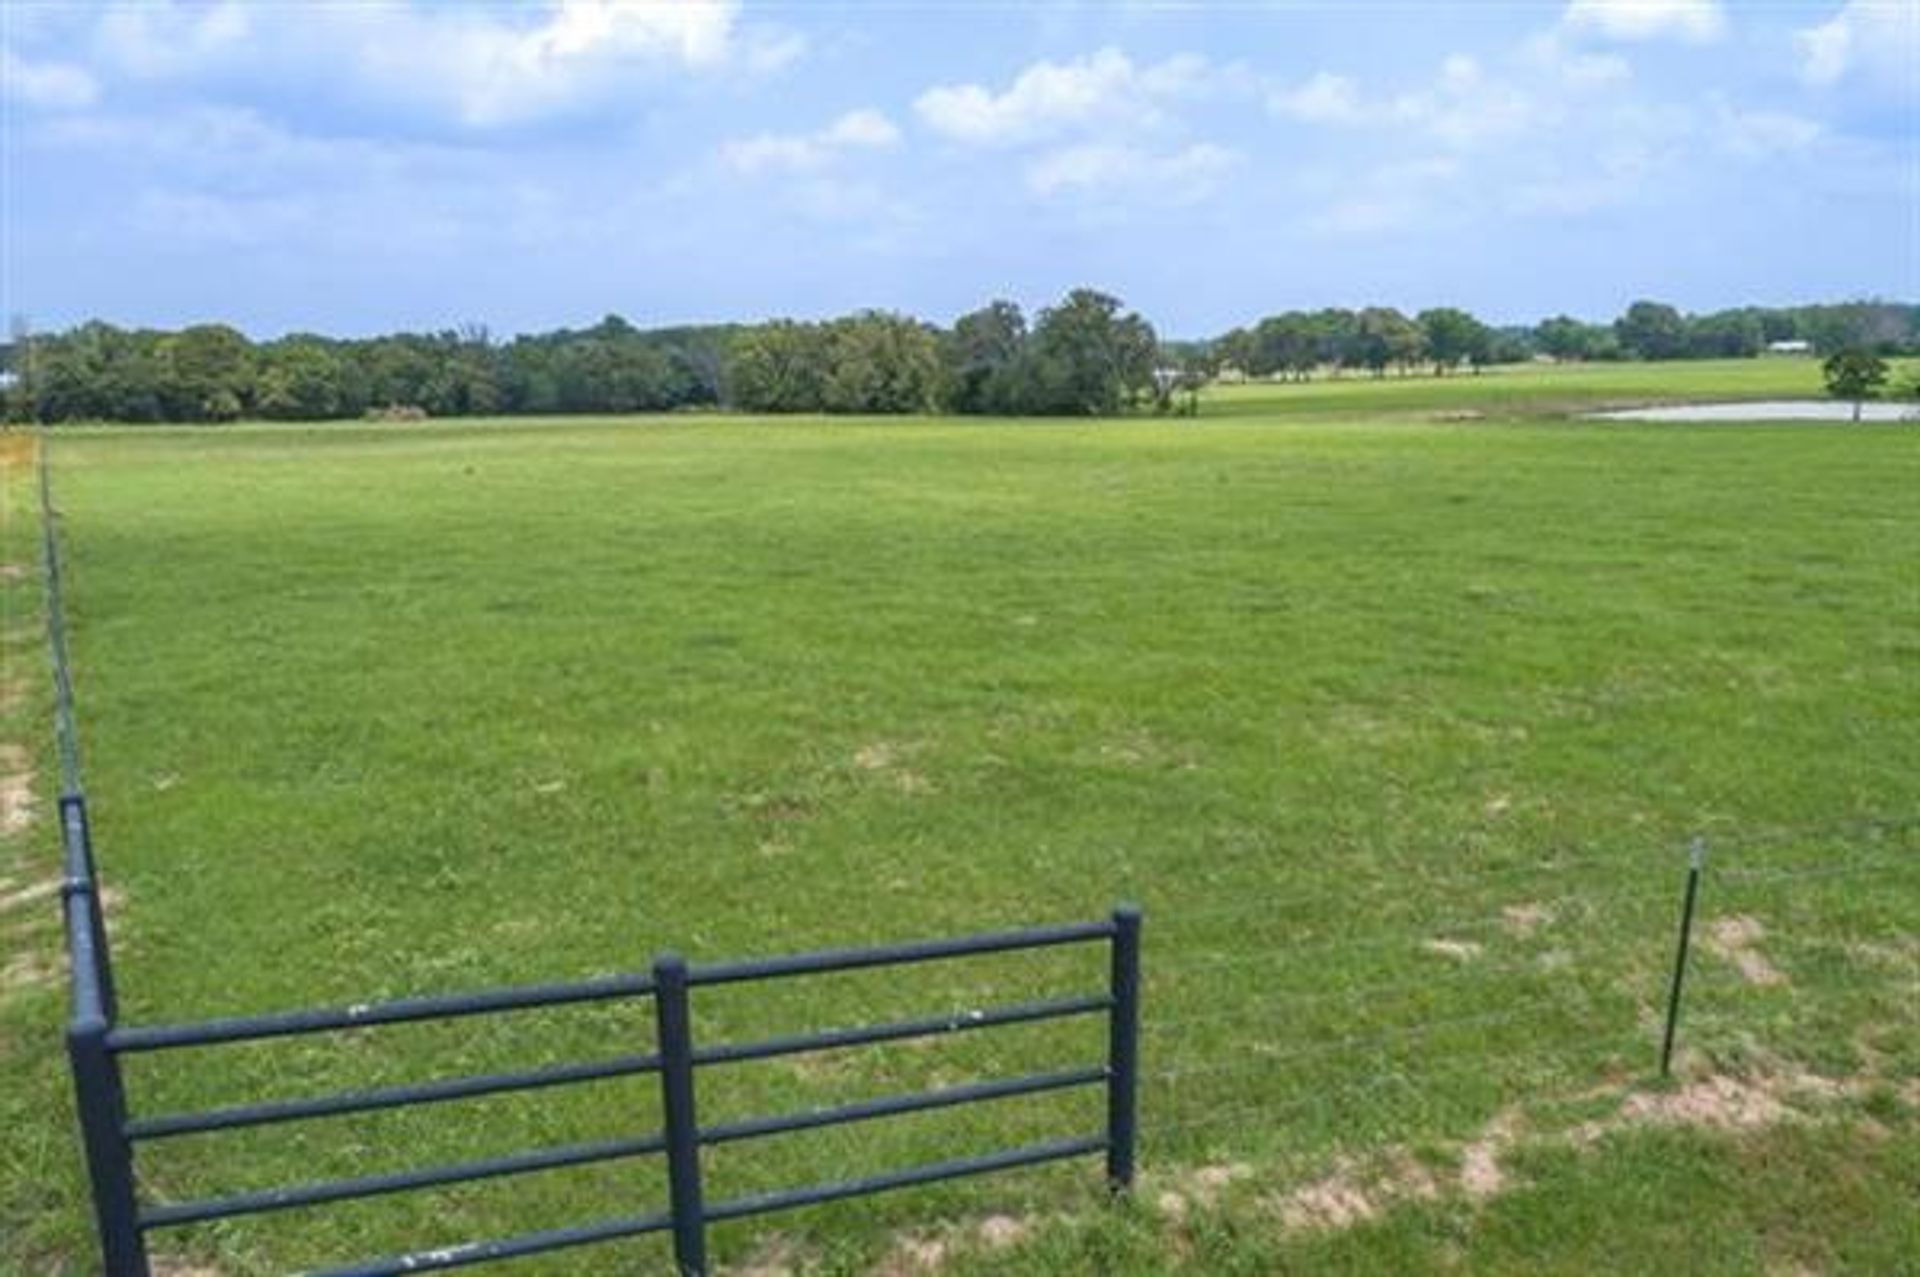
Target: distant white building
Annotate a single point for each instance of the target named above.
(1795, 347)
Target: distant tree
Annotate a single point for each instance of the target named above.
(879, 362)
(1453, 337)
(1727, 334)
(1652, 330)
(1286, 344)
(302, 379)
(985, 356)
(779, 367)
(1383, 336)
(1089, 357)
(206, 373)
(1336, 339)
(1234, 349)
(1856, 375)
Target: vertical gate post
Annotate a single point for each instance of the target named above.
(103, 1114)
(76, 835)
(1123, 1048)
(680, 1121)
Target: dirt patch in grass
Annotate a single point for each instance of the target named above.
(31, 894)
(1354, 1194)
(1734, 939)
(24, 972)
(13, 571)
(1200, 1187)
(16, 790)
(1522, 920)
(773, 1257)
(1458, 950)
(923, 1252)
(181, 1268)
(887, 759)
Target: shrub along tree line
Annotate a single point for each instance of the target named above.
(1085, 356)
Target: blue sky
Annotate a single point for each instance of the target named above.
(355, 167)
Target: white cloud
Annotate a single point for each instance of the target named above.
(1548, 53)
(1180, 176)
(1049, 98)
(1758, 134)
(1875, 42)
(1617, 175)
(1324, 98)
(1694, 21)
(166, 39)
(1462, 107)
(52, 86)
(863, 130)
(1389, 197)
(480, 65)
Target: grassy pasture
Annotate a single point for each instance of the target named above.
(1397, 728)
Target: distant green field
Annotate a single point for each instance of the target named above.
(1397, 727)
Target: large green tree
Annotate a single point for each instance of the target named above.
(1855, 375)
(1454, 337)
(1652, 330)
(1090, 358)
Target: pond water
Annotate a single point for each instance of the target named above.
(1767, 410)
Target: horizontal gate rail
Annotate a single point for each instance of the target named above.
(400, 1011)
(340, 1190)
(963, 1022)
(922, 1102)
(933, 1173)
(346, 1102)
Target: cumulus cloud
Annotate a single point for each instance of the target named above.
(1693, 21)
(1461, 107)
(1323, 98)
(1874, 42)
(1185, 174)
(51, 86)
(478, 65)
(862, 130)
(1050, 98)
(1760, 133)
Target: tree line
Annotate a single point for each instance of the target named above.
(1298, 344)
(1087, 355)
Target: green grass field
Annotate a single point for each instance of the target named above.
(1398, 726)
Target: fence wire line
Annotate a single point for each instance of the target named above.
(1517, 1012)
(1366, 1084)
(1424, 929)
(1674, 858)
(66, 733)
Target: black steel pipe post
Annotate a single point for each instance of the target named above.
(1123, 1049)
(76, 834)
(1696, 861)
(680, 1120)
(102, 1103)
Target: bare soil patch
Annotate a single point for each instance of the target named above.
(1734, 939)
(16, 790)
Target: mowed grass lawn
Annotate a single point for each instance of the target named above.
(1397, 727)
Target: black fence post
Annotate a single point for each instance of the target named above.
(1696, 861)
(76, 833)
(1123, 1048)
(680, 1120)
(103, 1113)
